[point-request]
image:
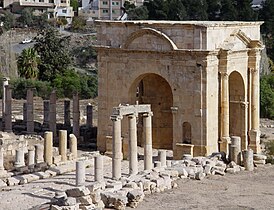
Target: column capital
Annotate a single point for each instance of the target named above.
(253, 70)
(148, 114)
(116, 117)
(224, 75)
(132, 115)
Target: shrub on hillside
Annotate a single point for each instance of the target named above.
(20, 86)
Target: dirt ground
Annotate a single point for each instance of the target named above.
(245, 190)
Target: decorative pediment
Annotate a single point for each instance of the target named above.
(149, 39)
(238, 40)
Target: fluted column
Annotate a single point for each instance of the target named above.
(225, 139)
(133, 153)
(116, 147)
(148, 164)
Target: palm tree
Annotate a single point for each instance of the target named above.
(28, 63)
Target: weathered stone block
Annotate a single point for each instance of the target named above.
(78, 191)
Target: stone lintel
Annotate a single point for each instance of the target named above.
(131, 109)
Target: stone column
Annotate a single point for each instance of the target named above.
(80, 173)
(30, 122)
(39, 153)
(248, 160)
(8, 109)
(235, 149)
(31, 157)
(25, 105)
(63, 144)
(148, 164)
(5, 83)
(116, 147)
(76, 116)
(254, 133)
(46, 105)
(99, 168)
(162, 157)
(225, 139)
(2, 169)
(48, 147)
(52, 113)
(67, 113)
(73, 145)
(89, 122)
(132, 144)
(20, 159)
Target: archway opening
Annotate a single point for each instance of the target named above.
(155, 90)
(237, 105)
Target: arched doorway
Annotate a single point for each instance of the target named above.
(237, 101)
(155, 90)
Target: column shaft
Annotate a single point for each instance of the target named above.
(133, 153)
(225, 140)
(8, 109)
(46, 105)
(39, 153)
(63, 144)
(80, 173)
(31, 157)
(148, 164)
(99, 168)
(30, 122)
(5, 83)
(67, 112)
(48, 147)
(73, 145)
(76, 116)
(52, 113)
(116, 147)
(89, 122)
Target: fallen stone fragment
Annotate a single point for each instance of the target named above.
(84, 200)
(199, 176)
(78, 191)
(135, 197)
(2, 183)
(114, 200)
(259, 157)
(96, 186)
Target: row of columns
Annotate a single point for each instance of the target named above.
(49, 112)
(117, 144)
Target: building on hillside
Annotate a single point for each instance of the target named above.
(104, 9)
(55, 8)
(200, 78)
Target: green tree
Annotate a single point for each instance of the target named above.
(78, 23)
(245, 11)
(176, 10)
(74, 4)
(8, 19)
(137, 13)
(267, 96)
(28, 64)
(157, 9)
(54, 54)
(27, 17)
(228, 10)
(196, 9)
(213, 9)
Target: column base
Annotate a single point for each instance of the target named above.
(255, 141)
(224, 142)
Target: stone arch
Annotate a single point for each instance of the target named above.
(187, 136)
(153, 89)
(150, 31)
(237, 104)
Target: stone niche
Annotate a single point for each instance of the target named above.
(201, 79)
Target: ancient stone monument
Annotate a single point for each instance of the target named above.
(201, 79)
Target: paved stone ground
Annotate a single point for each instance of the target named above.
(243, 191)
